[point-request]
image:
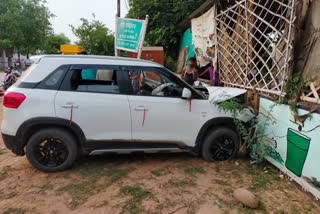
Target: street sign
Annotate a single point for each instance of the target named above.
(130, 34)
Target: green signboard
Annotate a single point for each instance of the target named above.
(129, 32)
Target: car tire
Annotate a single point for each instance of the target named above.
(51, 150)
(220, 145)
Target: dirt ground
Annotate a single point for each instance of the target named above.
(158, 183)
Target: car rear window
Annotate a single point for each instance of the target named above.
(24, 74)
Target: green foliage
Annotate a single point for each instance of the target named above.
(137, 194)
(221, 182)
(4, 172)
(79, 192)
(170, 63)
(24, 25)
(293, 89)
(95, 37)
(53, 42)
(255, 142)
(194, 170)
(164, 16)
(315, 182)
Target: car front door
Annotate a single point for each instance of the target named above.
(95, 99)
(159, 115)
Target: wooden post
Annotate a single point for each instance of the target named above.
(144, 31)
(117, 52)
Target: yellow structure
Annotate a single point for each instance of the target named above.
(70, 49)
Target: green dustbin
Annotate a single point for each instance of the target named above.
(297, 151)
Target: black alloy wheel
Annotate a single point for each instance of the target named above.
(51, 152)
(221, 144)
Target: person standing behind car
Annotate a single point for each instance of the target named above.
(190, 73)
(135, 81)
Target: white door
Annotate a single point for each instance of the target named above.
(161, 116)
(97, 106)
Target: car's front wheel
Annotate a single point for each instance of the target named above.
(51, 150)
(220, 145)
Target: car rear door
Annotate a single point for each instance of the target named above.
(98, 106)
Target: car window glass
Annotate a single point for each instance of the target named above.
(152, 83)
(95, 80)
(54, 78)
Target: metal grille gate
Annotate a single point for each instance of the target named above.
(254, 44)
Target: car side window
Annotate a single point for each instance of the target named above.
(95, 80)
(54, 80)
(153, 83)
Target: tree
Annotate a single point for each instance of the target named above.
(53, 42)
(95, 37)
(164, 16)
(24, 25)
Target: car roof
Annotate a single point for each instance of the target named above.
(45, 64)
(90, 58)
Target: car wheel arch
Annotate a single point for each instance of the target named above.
(29, 127)
(209, 125)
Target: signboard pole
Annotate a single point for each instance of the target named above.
(143, 36)
(115, 38)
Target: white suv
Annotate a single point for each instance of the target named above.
(66, 105)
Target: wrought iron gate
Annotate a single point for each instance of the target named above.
(254, 44)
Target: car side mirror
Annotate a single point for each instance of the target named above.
(186, 94)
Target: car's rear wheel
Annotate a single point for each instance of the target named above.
(220, 145)
(51, 150)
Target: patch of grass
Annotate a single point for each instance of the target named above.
(221, 182)
(14, 211)
(78, 192)
(217, 168)
(228, 191)
(224, 204)
(2, 152)
(115, 173)
(4, 172)
(234, 171)
(11, 195)
(261, 207)
(138, 194)
(103, 204)
(280, 212)
(166, 204)
(194, 170)
(158, 172)
(46, 187)
(259, 182)
(182, 183)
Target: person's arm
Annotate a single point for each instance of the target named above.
(196, 75)
(182, 73)
(204, 72)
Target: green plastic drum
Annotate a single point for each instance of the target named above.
(297, 151)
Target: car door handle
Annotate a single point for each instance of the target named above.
(140, 109)
(69, 106)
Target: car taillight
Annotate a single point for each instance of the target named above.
(13, 100)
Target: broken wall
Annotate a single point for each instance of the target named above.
(292, 143)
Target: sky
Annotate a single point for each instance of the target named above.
(69, 12)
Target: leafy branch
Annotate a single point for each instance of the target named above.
(253, 141)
